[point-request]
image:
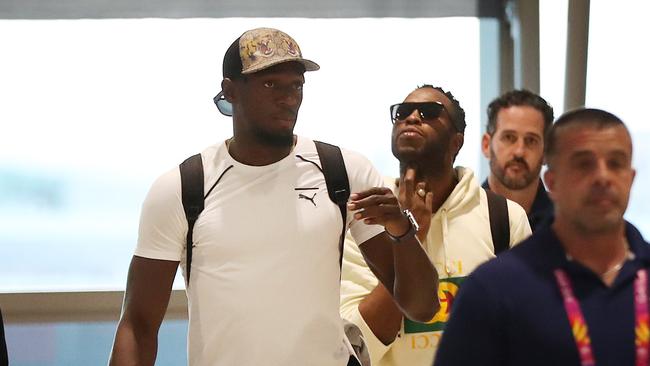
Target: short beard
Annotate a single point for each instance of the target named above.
(275, 140)
(430, 159)
(599, 223)
(516, 183)
(602, 225)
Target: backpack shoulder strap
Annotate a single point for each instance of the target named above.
(499, 221)
(338, 185)
(192, 195)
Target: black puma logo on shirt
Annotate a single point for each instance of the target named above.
(310, 199)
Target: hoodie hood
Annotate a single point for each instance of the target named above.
(464, 196)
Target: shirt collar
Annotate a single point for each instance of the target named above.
(556, 257)
(638, 245)
(541, 210)
(542, 202)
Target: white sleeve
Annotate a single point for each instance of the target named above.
(362, 176)
(163, 226)
(519, 225)
(357, 281)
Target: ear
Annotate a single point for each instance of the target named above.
(458, 141)
(228, 86)
(549, 182)
(485, 145)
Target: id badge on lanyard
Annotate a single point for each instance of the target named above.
(579, 327)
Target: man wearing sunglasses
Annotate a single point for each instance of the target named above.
(454, 228)
(514, 144)
(264, 284)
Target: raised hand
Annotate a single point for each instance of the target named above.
(415, 197)
(379, 206)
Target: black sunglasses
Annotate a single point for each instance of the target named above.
(427, 110)
(222, 104)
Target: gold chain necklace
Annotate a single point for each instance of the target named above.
(615, 268)
(619, 265)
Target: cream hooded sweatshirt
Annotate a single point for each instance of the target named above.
(459, 240)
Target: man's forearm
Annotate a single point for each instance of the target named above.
(416, 281)
(407, 273)
(381, 314)
(131, 349)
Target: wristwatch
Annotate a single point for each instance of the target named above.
(411, 231)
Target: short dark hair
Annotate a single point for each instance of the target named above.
(518, 97)
(583, 117)
(232, 65)
(458, 114)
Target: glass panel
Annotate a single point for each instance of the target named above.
(94, 110)
(617, 80)
(616, 76)
(552, 51)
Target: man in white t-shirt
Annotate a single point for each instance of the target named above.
(264, 281)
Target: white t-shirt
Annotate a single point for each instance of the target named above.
(264, 286)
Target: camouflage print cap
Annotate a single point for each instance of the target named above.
(262, 48)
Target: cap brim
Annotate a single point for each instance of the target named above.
(309, 65)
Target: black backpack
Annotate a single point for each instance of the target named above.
(332, 166)
(499, 221)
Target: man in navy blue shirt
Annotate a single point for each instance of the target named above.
(566, 295)
(514, 144)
